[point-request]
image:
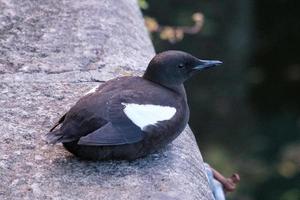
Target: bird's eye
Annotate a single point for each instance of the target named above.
(181, 65)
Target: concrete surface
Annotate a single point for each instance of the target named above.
(51, 53)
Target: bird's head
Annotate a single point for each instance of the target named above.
(172, 68)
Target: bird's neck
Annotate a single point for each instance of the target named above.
(179, 89)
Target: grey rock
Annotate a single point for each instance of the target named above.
(51, 53)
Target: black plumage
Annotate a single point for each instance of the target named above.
(97, 126)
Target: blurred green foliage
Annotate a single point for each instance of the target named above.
(246, 114)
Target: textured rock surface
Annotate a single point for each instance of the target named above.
(51, 52)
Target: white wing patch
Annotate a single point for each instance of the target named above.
(145, 115)
(92, 90)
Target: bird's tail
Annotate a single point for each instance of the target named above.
(54, 137)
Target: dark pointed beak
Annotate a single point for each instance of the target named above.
(204, 64)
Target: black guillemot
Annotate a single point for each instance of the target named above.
(130, 117)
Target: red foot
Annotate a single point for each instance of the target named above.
(229, 184)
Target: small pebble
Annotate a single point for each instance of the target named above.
(29, 163)
(4, 157)
(36, 188)
(38, 175)
(14, 182)
(38, 157)
(45, 147)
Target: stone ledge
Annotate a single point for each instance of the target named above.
(36, 90)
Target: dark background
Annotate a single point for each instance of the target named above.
(246, 113)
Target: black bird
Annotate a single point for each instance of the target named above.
(130, 117)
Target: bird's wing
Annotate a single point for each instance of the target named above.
(111, 135)
(91, 91)
(83, 118)
(128, 119)
(58, 123)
